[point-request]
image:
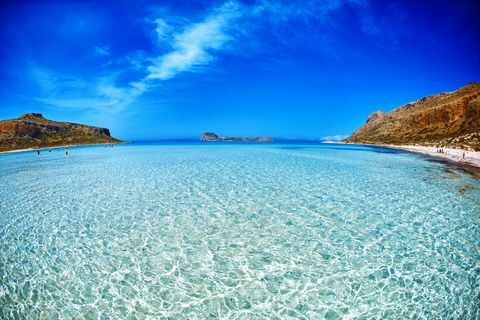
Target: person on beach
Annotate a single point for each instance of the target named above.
(463, 156)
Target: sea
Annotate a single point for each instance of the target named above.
(190, 230)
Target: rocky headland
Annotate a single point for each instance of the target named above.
(32, 130)
(444, 120)
(212, 137)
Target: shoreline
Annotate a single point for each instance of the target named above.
(59, 147)
(472, 158)
(456, 155)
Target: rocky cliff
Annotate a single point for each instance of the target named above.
(447, 119)
(32, 130)
(210, 136)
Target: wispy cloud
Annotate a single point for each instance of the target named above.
(63, 91)
(51, 83)
(106, 97)
(101, 51)
(195, 45)
(334, 138)
(198, 44)
(189, 50)
(184, 46)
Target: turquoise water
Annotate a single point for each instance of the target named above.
(237, 231)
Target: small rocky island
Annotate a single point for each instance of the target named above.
(212, 137)
(32, 130)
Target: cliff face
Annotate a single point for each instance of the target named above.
(32, 130)
(445, 119)
(210, 136)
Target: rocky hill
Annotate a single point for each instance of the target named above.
(450, 119)
(32, 130)
(210, 136)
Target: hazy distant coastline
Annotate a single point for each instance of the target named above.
(213, 137)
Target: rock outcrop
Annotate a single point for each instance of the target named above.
(32, 130)
(212, 137)
(446, 119)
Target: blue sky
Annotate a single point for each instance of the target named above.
(172, 69)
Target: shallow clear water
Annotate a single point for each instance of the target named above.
(198, 231)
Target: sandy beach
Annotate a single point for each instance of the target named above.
(456, 155)
(57, 147)
(471, 157)
(30, 149)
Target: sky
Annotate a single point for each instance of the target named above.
(152, 70)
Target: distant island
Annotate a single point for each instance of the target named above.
(444, 120)
(212, 137)
(32, 130)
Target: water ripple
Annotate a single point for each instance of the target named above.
(237, 232)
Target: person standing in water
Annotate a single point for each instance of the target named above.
(66, 151)
(38, 151)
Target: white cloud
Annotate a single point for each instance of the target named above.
(162, 30)
(61, 91)
(198, 43)
(51, 83)
(194, 46)
(191, 49)
(101, 51)
(334, 138)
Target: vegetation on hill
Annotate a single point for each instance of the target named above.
(450, 119)
(32, 130)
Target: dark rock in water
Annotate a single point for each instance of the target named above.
(209, 136)
(212, 137)
(32, 130)
(464, 188)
